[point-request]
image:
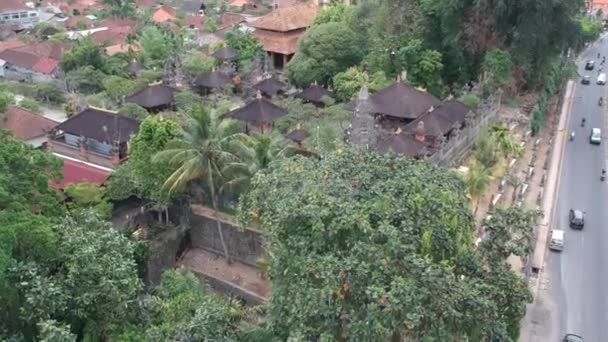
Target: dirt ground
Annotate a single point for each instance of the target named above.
(247, 277)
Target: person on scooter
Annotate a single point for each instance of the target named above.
(600, 101)
(603, 176)
(583, 122)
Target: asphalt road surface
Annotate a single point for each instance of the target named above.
(578, 276)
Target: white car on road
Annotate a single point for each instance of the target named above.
(596, 136)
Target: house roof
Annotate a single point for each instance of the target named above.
(194, 21)
(100, 125)
(298, 135)
(47, 48)
(113, 36)
(75, 172)
(403, 144)
(153, 96)
(432, 124)
(280, 42)
(225, 53)
(213, 79)
(164, 13)
(401, 100)
(315, 93)
(10, 44)
(45, 65)
(259, 111)
(13, 5)
(29, 61)
(441, 119)
(230, 19)
(24, 124)
(270, 86)
(287, 18)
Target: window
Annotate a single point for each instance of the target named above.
(33, 14)
(15, 16)
(23, 15)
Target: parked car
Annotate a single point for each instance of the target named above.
(573, 338)
(595, 137)
(576, 218)
(586, 79)
(557, 240)
(601, 79)
(589, 65)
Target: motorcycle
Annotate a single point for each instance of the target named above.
(600, 102)
(572, 136)
(583, 122)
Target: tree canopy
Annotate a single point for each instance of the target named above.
(365, 247)
(324, 50)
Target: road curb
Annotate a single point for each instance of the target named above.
(553, 181)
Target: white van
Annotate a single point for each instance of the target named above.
(596, 136)
(557, 240)
(601, 79)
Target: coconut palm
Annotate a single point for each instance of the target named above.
(255, 154)
(505, 141)
(477, 181)
(206, 147)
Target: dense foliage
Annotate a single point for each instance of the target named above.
(324, 50)
(364, 247)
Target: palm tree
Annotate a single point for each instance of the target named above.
(255, 154)
(477, 181)
(505, 141)
(202, 153)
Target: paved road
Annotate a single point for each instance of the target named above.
(578, 276)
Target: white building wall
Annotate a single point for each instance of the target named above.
(24, 18)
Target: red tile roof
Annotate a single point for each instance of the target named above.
(45, 65)
(230, 19)
(77, 172)
(47, 48)
(25, 125)
(280, 42)
(163, 14)
(29, 61)
(194, 21)
(113, 36)
(10, 44)
(12, 5)
(287, 18)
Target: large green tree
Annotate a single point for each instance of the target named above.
(324, 51)
(83, 53)
(185, 310)
(93, 285)
(364, 247)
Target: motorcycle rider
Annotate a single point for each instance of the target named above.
(583, 122)
(600, 101)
